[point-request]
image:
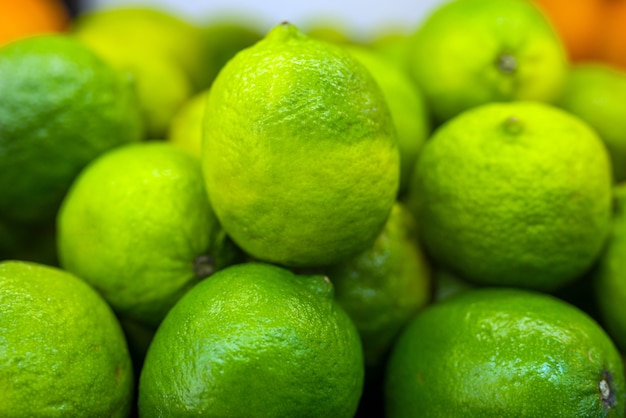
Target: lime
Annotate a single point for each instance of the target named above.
(299, 153)
(185, 130)
(471, 52)
(222, 38)
(382, 288)
(62, 350)
(406, 103)
(608, 278)
(61, 107)
(593, 92)
(137, 225)
(513, 194)
(161, 83)
(149, 29)
(504, 352)
(254, 337)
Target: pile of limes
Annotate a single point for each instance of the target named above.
(219, 219)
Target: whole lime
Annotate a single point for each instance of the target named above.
(254, 339)
(300, 154)
(504, 352)
(471, 52)
(137, 225)
(62, 350)
(513, 194)
(61, 107)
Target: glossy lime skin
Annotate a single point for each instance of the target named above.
(495, 352)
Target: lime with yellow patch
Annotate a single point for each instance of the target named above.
(300, 153)
(62, 350)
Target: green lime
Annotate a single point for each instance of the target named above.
(513, 194)
(254, 339)
(300, 154)
(504, 353)
(61, 107)
(471, 52)
(62, 351)
(594, 93)
(608, 277)
(223, 37)
(382, 288)
(185, 130)
(137, 225)
(406, 103)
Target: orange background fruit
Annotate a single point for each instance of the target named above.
(29, 17)
(591, 30)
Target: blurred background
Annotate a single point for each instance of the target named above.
(358, 20)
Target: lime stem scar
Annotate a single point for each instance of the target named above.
(203, 266)
(606, 394)
(507, 63)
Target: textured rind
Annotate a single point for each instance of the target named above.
(61, 107)
(300, 154)
(503, 352)
(62, 351)
(513, 194)
(257, 340)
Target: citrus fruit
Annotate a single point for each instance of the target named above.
(62, 350)
(254, 337)
(593, 92)
(137, 225)
(382, 288)
(406, 104)
(186, 126)
(161, 82)
(471, 52)
(578, 24)
(31, 17)
(222, 38)
(609, 277)
(145, 29)
(496, 352)
(299, 152)
(61, 107)
(612, 44)
(513, 194)
(446, 284)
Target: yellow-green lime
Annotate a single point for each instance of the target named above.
(161, 84)
(61, 107)
(406, 103)
(254, 339)
(594, 93)
(504, 353)
(471, 52)
(514, 194)
(144, 28)
(299, 154)
(610, 274)
(137, 225)
(185, 129)
(62, 351)
(382, 288)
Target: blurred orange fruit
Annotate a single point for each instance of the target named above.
(591, 30)
(578, 23)
(612, 46)
(29, 17)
